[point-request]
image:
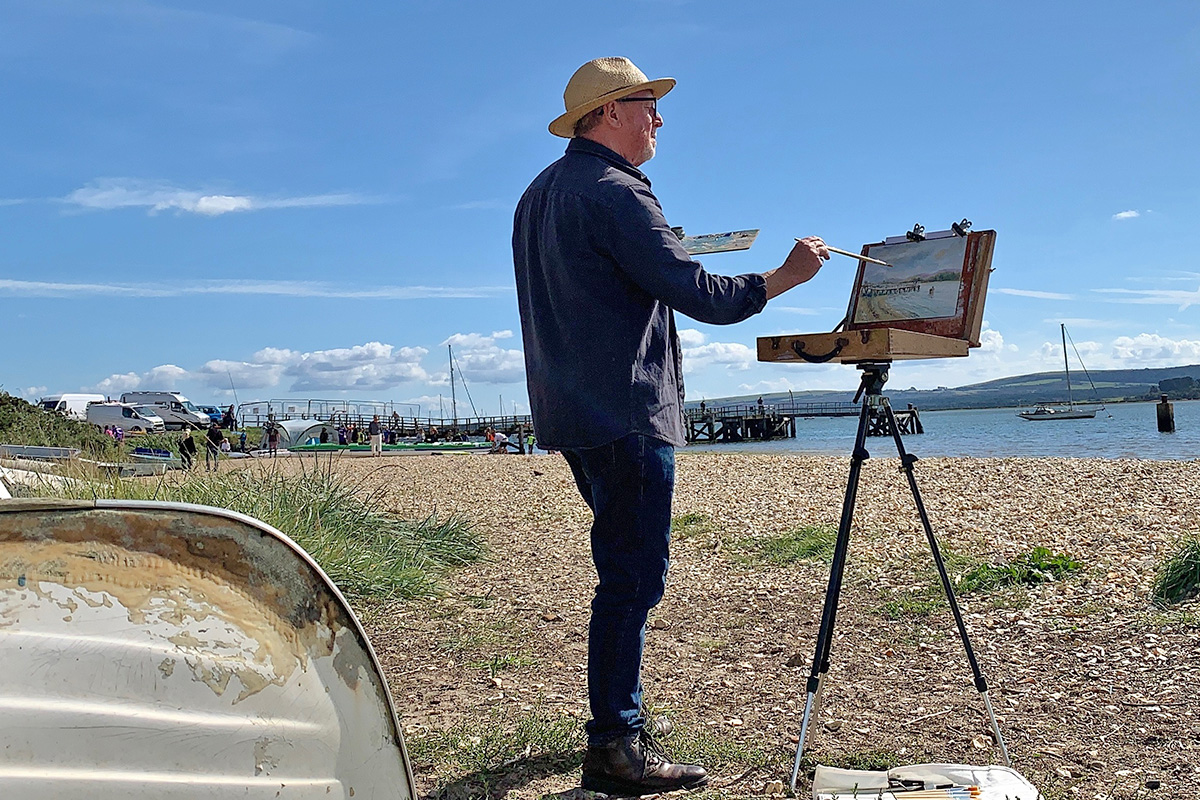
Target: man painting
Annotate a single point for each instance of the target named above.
(599, 273)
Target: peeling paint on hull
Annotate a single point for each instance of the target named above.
(155, 650)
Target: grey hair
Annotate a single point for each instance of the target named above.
(589, 121)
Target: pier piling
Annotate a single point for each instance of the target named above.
(1166, 416)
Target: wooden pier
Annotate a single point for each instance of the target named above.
(747, 422)
(764, 422)
(359, 413)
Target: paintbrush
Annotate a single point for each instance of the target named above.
(952, 793)
(842, 252)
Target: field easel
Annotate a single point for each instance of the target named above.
(872, 347)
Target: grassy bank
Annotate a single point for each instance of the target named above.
(25, 423)
(372, 555)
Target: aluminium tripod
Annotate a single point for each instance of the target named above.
(870, 389)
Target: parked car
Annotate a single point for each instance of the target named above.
(214, 413)
(176, 410)
(71, 405)
(124, 416)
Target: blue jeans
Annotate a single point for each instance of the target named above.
(628, 485)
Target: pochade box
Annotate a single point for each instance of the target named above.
(927, 303)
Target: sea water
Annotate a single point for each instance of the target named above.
(1122, 430)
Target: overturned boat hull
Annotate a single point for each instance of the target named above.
(162, 650)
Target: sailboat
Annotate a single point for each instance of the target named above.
(1045, 411)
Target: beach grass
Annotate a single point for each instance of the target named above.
(368, 552)
(1178, 578)
(26, 424)
(482, 747)
(799, 544)
(1039, 565)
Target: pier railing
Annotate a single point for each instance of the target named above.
(395, 417)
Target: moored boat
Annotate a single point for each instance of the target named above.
(1046, 411)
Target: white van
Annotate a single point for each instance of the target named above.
(71, 405)
(175, 409)
(124, 416)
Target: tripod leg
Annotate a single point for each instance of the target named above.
(907, 461)
(820, 663)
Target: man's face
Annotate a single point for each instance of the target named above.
(639, 115)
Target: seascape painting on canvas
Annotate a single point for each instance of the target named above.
(924, 281)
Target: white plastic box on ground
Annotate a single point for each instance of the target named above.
(923, 782)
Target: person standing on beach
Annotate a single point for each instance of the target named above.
(599, 274)
(187, 449)
(375, 430)
(212, 446)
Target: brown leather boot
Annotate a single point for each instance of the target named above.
(635, 765)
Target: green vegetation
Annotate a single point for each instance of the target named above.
(1037, 566)
(486, 746)
(1183, 388)
(880, 760)
(913, 603)
(1179, 576)
(691, 525)
(25, 423)
(369, 553)
(806, 543)
(708, 746)
(496, 646)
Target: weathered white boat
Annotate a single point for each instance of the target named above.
(163, 650)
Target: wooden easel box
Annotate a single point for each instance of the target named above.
(899, 340)
(868, 344)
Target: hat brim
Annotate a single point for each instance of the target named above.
(564, 125)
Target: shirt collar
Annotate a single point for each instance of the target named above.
(584, 146)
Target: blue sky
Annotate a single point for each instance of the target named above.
(313, 198)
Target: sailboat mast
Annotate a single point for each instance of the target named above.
(1066, 367)
(453, 401)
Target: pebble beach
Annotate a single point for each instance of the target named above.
(1093, 684)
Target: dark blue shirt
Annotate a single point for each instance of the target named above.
(598, 273)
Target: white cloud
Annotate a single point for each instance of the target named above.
(373, 366)
(1035, 293)
(1165, 297)
(317, 289)
(115, 193)
(32, 393)
(690, 337)
(1150, 349)
(164, 377)
(991, 341)
(1131, 214)
(808, 312)
(810, 376)
(482, 360)
(732, 355)
(239, 375)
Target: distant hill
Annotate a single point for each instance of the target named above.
(1112, 386)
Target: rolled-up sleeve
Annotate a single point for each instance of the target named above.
(650, 254)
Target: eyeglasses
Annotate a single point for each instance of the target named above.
(653, 101)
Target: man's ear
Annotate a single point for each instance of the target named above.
(610, 114)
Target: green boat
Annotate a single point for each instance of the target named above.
(422, 447)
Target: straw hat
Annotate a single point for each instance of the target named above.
(599, 81)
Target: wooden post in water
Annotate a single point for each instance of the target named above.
(1166, 416)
